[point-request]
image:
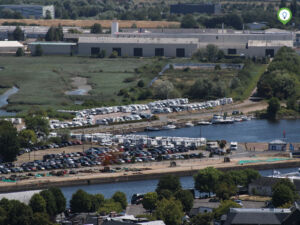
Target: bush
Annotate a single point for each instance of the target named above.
(20, 52)
(141, 83)
(102, 54)
(38, 50)
(113, 55)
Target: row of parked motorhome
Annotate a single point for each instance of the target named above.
(134, 112)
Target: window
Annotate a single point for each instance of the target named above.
(118, 50)
(95, 51)
(231, 51)
(138, 52)
(270, 52)
(159, 52)
(180, 52)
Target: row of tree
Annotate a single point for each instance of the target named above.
(282, 75)
(41, 210)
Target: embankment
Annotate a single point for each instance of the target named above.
(98, 178)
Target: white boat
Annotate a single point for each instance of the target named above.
(169, 127)
(204, 123)
(189, 124)
(217, 119)
(152, 128)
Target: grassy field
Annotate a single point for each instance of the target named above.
(88, 23)
(43, 80)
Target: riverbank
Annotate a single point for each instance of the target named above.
(185, 168)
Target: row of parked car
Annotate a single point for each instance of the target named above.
(96, 156)
(50, 146)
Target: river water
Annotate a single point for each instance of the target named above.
(143, 186)
(247, 131)
(3, 101)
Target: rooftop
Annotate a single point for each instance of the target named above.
(11, 44)
(51, 43)
(138, 40)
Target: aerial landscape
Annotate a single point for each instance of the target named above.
(149, 112)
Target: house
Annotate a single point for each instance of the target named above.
(269, 216)
(277, 145)
(262, 186)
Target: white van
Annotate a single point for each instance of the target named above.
(233, 145)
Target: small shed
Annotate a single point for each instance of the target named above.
(277, 145)
(10, 46)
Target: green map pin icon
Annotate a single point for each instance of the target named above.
(284, 15)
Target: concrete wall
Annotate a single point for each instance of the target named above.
(84, 49)
(52, 49)
(8, 49)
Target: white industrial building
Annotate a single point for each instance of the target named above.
(54, 48)
(138, 47)
(10, 46)
(179, 42)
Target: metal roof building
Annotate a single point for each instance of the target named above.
(10, 46)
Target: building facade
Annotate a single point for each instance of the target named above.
(54, 48)
(32, 11)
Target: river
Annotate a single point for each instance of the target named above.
(3, 101)
(247, 131)
(142, 186)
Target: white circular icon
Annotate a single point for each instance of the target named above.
(285, 14)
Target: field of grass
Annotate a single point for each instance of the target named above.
(244, 92)
(43, 80)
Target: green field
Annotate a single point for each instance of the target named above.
(43, 80)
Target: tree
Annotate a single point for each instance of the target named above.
(102, 54)
(282, 194)
(60, 200)
(141, 83)
(121, 198)
(186, 198)
(168, 182)
(97, 202)
(27, 138)
(18, 34)
(19, 213)
(40, 219)
(37, 204)
(188, 21)
(224, 208)
(9, 143)
(170, 211)
(37, 123)
(273, 108)
(20, 52)
(96, 28)
(163, 89)
(206, 180)
(48, 15)
(150, 200)
(282, 4)
(50, 202)
(38, 50)
(113, 55)
(80, 202)
(110, 206)
(212, 53)
(226, 189)
(55, 34)
(202, 219)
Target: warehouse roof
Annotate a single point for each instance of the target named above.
(51, 43)
(138, 40)
(16, 44)
(270, 43)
